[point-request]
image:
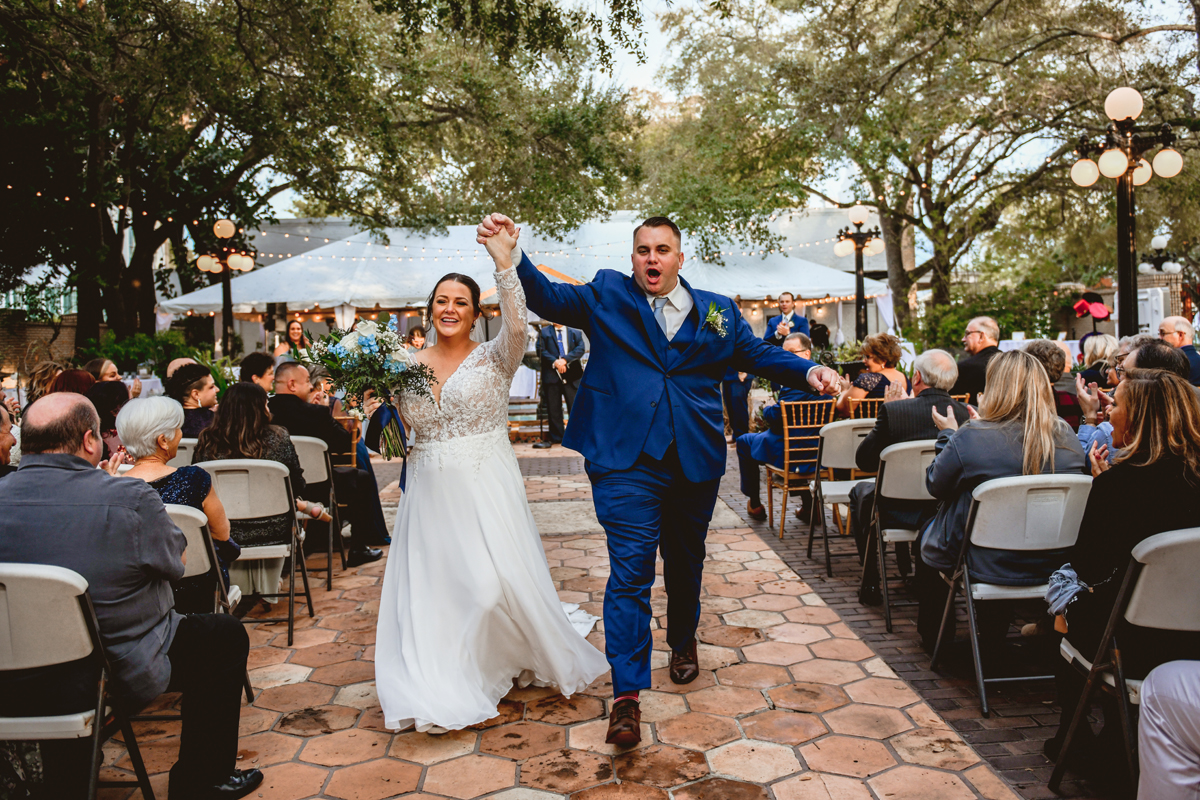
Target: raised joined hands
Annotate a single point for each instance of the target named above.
(499, 235)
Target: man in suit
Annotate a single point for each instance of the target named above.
(648, 420)
(558, 347)
(788, 321)
(766, 447)
(290, 409)
(1178, 332)
(900, 420)
(981, 341)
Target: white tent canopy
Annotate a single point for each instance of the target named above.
(359, 273)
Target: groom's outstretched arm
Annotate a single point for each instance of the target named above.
(751, 354)
(557, 302)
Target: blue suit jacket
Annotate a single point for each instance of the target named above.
(634, 370)
(548, 350)
(767, 446)
(799, 325)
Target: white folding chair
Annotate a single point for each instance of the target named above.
(123, 468)
(252, 489)
(183, 456)
(318, 468)
(1160, 590)
(48, 619)
(200, 558)
(902, 469)
(839, 443)
(1027, 513)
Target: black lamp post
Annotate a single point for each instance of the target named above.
(228, 261)
(1121, 158)
(856, 241)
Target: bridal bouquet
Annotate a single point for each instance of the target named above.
(371, 357)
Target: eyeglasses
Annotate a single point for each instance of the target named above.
(1119, 370)
(968, 333)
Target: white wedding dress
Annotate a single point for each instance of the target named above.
(468, 604)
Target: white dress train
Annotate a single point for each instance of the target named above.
(468, 604)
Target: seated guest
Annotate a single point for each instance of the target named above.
(193, 387)
(354, 487)
(117, 535)
(109, 397)
(1098, 352)
(72, 380)
(150, 430)
(104, 370)
(259, 368)
(981, 341)
(880, 353)
(904, 420)
(242, 429)
(1153, 486)
(1054, 363)
(1168, 737)
(767, 447)
(1017, 433)
(40, 378)
(1094, 429)
(1178, 332)
(7, 440)
(1158, 355)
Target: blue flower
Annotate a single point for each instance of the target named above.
(394, 324)
(368, 345)
(393, 366)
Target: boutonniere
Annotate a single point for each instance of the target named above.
(714, 320)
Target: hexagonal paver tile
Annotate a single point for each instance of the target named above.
(726, 701)
(870, 722)
(345, 747)
(754, 761)
(698, 731)
(915, 783)
(882, 692)
(263, 748)
(771, 602)
(730, 636)
(815, 698)
(265, 656)
(721, 789)
(658, 706)
(317, 721)
(309, 637)
(424, 748)
(660, 765)
(360, 695)
(620, 791)
(565, 771)
(255, 720)
(846, 756)
(294, 697)
(373, 780)
(797, 633)
(720, 605)
(523, 793)
(278, 675)
(812, 615)
(591, 735)
(355, 620)
(753, 676)
(821, 670)
(660, 681)
(781, 654)
(842, 649)
(930, 747)
(292, 781)
(559, 710)
(734, 590)
(520, 740)
(344, 673)
(506, 711)
(819, 786)
(793, 588)
(470, 776)
(784, 727)
(989, 785)
(750, 618)
(712, 657)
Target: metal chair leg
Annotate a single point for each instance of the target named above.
(248, 687)
(1126, 714)
(291, 617)
(819, 508)
(881, 548)
(973, 623)
(770, 501)
(812, 522)
(307, 591)
(1079, 718)
(947, 623)
(135, 756)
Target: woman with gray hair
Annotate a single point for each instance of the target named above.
(150, 429)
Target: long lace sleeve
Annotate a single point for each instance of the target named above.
(509, 347)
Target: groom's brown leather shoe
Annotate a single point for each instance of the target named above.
(684, 664)
(625, 723)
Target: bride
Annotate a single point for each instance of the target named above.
(468, 604)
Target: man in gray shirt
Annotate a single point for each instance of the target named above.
(59, 509)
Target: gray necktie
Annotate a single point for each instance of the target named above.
(659, 316)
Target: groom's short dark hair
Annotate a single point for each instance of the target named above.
(660, 222)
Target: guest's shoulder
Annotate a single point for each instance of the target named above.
(277, 435)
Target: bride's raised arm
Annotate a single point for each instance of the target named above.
(510, 345)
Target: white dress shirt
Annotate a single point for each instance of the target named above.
(679, 305)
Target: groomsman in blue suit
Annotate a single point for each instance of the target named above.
(648, 420)
(788, 321)
(559, 349)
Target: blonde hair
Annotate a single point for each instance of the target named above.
(1100, 347)
(1163, 418)
(1016, 390)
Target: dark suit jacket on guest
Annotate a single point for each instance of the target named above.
(905, 421)
(62, 511)
(1189, 350)
(305, 419)
(799, 325)
(972, 373)
(549, 351)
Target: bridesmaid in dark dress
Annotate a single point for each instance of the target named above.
(150, 429)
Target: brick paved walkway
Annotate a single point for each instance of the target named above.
(791, 703)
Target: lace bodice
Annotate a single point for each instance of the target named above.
(474, 399)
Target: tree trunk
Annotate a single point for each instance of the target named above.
(939, 277)
(138, 278)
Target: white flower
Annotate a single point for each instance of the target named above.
(367, 328)
(350, 342)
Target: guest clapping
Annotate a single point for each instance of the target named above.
(104, 370)
(1017, 433)
(193, 387)
(150, 429)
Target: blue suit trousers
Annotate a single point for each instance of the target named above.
(648, 508)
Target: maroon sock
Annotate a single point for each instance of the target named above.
(634, 696)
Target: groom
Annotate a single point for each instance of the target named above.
(648, 420)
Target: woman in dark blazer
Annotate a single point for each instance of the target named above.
(1153, 486)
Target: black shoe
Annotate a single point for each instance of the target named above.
(871, 596)
(543, 445)
(241, 783)
(359, 557)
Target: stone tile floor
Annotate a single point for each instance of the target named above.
(791, 703)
